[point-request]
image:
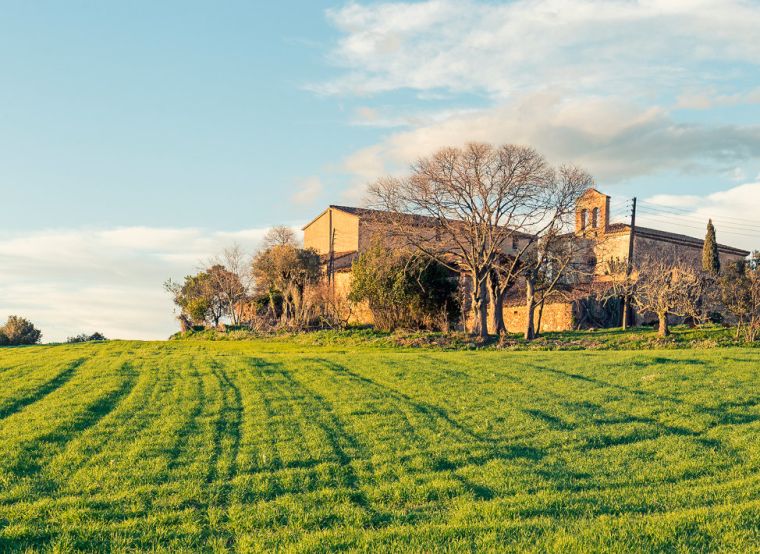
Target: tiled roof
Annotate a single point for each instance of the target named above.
(656, 234)
(418, 219)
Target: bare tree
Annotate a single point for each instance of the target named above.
(740, 293)
(553, 248)
(621, 284)
(280, 235)
(565, 265)
(668, 287)
(232, 277)
(474, 201)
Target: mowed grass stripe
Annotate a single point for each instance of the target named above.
(33, 386)
(253, 447)
(32, 435)
(128, 442)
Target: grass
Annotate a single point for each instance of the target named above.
(282, 445)
(637, 338)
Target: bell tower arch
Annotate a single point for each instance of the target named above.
(592, 213)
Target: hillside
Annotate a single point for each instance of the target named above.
(257, 445)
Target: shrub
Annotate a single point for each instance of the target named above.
(18, 330)
(84, 337)
(404, 290)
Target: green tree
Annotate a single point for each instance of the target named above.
(710, 257)
(84, 337)
(283, 270)
(18, 330)
(203, 298)
(404, 290)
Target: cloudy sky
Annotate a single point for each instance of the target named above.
(139, 138)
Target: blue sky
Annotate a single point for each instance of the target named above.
(139, 138)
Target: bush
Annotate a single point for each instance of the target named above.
(404, 290)
(18, 331)
(84, 337)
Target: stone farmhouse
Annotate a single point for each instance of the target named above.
(341, 233)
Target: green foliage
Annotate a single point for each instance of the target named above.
(208, 296)
(282, 272)
(19, 331)
(710, 256)
(84, 337)
(270, 446)
(404, 290)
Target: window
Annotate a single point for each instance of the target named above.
(595, 218)
(584, 217)
(514, 243)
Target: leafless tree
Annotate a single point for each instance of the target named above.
(475, 200)
(554, 249)
(234, 282)
(280, 235)
(566, 265)
(666, 287)
(740, 293)
(621, 285)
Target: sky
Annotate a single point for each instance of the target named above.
(139, 139)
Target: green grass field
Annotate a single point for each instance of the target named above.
(266, 445)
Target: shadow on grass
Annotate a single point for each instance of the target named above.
(18, 404)
(30, 460)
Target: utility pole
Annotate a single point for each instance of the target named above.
(330, 247)
(629, 269)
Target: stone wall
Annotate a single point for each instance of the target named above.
(556, 317)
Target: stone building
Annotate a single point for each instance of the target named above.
(340, 233)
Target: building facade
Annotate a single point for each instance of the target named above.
(341, 233)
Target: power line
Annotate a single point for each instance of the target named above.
(668, 219)
(676, 210)
(697, 219)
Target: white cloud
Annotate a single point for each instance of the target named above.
(591, 46)
(703, 101)
(615, 140)
(69, 281)
(308, 192)
(733, 211)
(384, 118)
(595, 82)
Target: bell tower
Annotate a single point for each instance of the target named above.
(592, 214)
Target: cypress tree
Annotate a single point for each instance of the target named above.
(710, 258)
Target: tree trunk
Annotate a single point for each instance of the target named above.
(530, 306)
(540, 315)
(626, 312)
(663, 330)
(479, 309)
(497, 302)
